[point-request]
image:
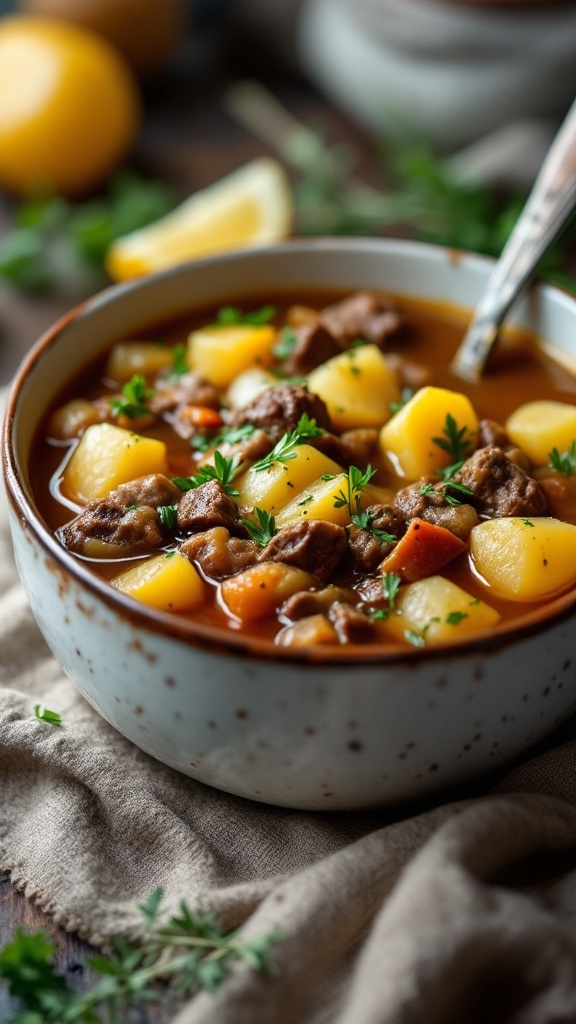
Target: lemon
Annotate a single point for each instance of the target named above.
(251, 206)
(69, 107)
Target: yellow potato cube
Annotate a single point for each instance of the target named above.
(318, 500)
(168, 582)
(271, 489)
(107, 456)
(525, 559)
(128, 358)
(407, 439)
(248, 385)
(437, 611)
(357, 387)
(538, 427)
(221, 353)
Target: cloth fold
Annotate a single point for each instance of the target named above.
(461, 911)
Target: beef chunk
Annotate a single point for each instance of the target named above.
(189, 389)
(107, 529)
(353, 448)
(499, 486)
(314, 545)
(249, 449)
(367, 551)
(207, 506)
(490, 432)
(153, 490)
(352, 626)
(314, 602)
(278, 410)
(410, 374)
(218, 554)
(362, 315)
(314, 345)
(434, 508)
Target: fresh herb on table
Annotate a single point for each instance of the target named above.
(135, 394)
(188, 953)
(45, 715)
(350, 496)
(223, 470)
(262, 531)
(284, 450)
(229, 316)
(566, 463)
(58, 246)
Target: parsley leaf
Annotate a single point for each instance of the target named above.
(168, 516)
(454, 441)
(229, 316)
(566, 463)
(405, 395)
(391, 583)
(364, 520)
(455, 618)
(179, 362)
(45, 715)
(228, 435)
(350, 495)
(287, 339)
(223, 471)
(262, 531)
(135, 394)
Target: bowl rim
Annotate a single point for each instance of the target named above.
(218, 639)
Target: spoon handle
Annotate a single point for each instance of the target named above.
(550, 203)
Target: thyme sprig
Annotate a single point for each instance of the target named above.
(284, 450)
(188, 953)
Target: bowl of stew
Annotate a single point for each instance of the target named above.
(278, 545)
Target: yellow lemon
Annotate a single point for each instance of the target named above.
(250, 207)
(69, 107)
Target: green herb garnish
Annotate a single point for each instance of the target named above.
(405, 395)
(135, 394)
(566, 463)
(527, 522)
(391, 583)
(188, 952)
(350, 495)
(45, 715)
(287, 339)
(284, 450)
(455, 618)
(228, 435)
(229, 316)
(179, 362)
(364, 520)
(454, 441)
(168, 516)
(223, 471)
(262, 531)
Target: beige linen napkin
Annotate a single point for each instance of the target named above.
(463, 912)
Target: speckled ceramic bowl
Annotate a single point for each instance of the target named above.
(325, 731)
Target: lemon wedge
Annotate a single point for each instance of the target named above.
(249, 207)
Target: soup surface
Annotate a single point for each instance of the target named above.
(311, 472)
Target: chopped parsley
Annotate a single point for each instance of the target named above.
(284, 450)
(391, 583)
(286, 343)
(228, 435)
(365, 521)
(528, 522)
(418, 637)
(223, 471)
(445, 488)
(306, 500)
(179, 362)
(355, 483)
(405, 395)
(135, 394)
(262, 531)
(454, 441)
(455, 618)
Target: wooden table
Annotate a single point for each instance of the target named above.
(187, 141)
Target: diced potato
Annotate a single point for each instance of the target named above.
(168, 582)
(72, 419)
(525, 559)
(107, 456)
(271, 489)
(407, 438)
(436, 611)
(314, 629)
(260, 590)
(146, 358)
(317, 501)
(248, 385)
(221, 353)
(357, 387)
(538, 427)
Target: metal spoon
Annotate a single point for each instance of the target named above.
(549, 205)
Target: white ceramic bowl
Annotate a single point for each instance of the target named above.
(345, 730)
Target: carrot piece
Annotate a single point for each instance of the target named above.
(202, 416)
(260, 590)
(422, 551)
